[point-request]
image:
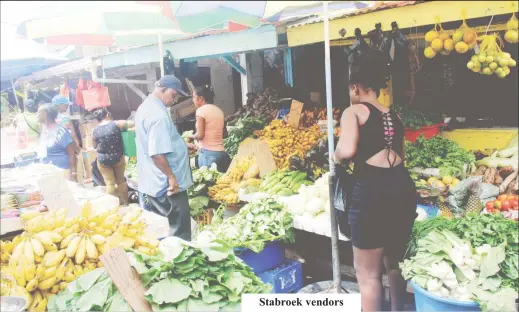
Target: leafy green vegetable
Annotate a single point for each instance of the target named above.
(244, 128)
(168, 290)
(203, 178)
(415, 119)
(489, 242)
(93, 291)
(491, 229)
(257, 223)
(437, 152)
(202, 276)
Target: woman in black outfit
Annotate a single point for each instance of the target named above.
(108, 142)
(382, 205)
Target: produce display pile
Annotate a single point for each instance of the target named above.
(261, 221)
(258, 105)
(283, 182)
(244, 174)
(415, 119)
(55, 250)
(315, 162)
(438, 152)
(473, 258)
(310, 117)
(131, 171)
(203, 178)
(243, 128)
(93, 291)
(285, 141)
(312, 200)
(201, 276)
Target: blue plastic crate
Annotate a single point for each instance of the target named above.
(270, 257)
(286, 278)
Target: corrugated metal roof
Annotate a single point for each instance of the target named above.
(59, 70)
(384, 5)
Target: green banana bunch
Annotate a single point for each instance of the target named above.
(284, 183)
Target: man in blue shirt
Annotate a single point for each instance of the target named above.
(163, 158)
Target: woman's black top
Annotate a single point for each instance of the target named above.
(109, 143)
(381, 131)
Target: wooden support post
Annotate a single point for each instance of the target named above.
(135, 89)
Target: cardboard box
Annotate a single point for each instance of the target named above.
(86, 128)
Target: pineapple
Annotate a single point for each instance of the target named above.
(443, 207)
(473, 203)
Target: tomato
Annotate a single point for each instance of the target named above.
(497, 205)
(505, 205)
(502, 197)
(515, 204)
(489, 205)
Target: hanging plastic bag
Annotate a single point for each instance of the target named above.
(398, 44)
(359, 46)
(342, 186)
(511, 35)
(81, 87)
(465, 38)
(376, 37)
(65, 90)
(491, 59)
(97, 96)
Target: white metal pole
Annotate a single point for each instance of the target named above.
(161, 56)
(14, 93)
(331, 148)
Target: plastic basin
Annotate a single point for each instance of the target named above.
(425, 302)
(270, 257)
(430, 131)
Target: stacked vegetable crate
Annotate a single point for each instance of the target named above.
(206, 217)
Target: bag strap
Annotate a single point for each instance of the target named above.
(28, 124)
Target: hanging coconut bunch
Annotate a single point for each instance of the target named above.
(512, 33)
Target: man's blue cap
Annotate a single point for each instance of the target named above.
(60, 99)
(171, 82)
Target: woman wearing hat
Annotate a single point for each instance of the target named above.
(63, 118)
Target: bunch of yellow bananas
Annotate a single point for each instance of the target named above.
(55, 250)
(6, 248)
(38, 222)
(8, 287)
(226, 188)
(39, 301)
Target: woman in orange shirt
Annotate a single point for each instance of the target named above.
(210, 130)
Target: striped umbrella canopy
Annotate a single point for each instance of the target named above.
(130, 23)
(199, 16)
(99, 23)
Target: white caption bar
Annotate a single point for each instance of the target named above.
(301, 302)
